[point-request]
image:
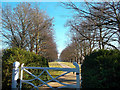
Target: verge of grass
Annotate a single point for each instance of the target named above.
(55, 73)
(71, 65)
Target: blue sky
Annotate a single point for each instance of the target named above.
(61, 15)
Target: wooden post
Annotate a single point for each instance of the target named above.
(15, 74)
(77, 75)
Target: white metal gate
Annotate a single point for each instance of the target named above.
(15, 76)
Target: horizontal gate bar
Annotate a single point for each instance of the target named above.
(52, 68)
(68, 86)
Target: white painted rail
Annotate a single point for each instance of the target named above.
(45, 69)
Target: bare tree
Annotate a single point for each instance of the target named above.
(103, 18)
(47, 46)
(94, 27)
(28, 27)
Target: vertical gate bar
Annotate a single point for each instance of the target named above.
(77, 75)
(15, 74)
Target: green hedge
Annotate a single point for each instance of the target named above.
(101, 69)
(22, 56)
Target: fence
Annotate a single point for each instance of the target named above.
(16, 80)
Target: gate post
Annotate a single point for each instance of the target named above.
(15, 74)
(21, 77)
(77, 75)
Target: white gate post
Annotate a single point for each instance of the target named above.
(21, 77)
(15, 74)
(77, 75)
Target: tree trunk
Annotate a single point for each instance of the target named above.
(31, 47)
(119, 34)
(37, 44)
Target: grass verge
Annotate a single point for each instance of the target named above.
(55, 73)
(70, 65)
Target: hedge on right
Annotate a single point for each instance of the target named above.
(101, 69)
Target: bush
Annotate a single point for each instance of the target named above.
(101, 69)
(22, 56)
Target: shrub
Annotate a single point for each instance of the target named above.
(22, 56)
(101, 69)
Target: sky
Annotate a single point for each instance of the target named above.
(60, 15)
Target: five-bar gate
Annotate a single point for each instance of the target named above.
(15, 76)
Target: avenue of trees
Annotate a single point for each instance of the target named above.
(28, 27)
(95, 25)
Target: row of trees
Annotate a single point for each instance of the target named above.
(28, 27)
(96, 26)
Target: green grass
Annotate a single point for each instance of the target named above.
(55, 73)
(69, 64)
(54, 64)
